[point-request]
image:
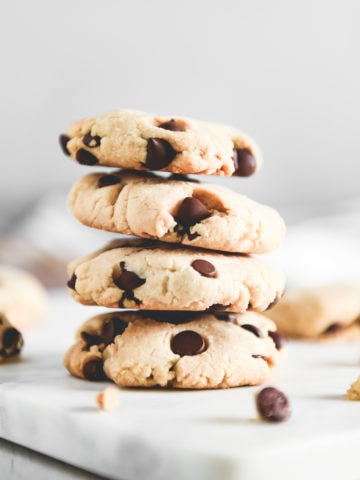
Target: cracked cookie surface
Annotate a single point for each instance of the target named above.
(150, 275)
(136, 140)
(176, 211)
(176, 349)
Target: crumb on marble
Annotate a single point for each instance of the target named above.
(108, 398)
(353, 393)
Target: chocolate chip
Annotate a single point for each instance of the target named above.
(113, 327)
(251, 328)
(126, 280)
(172, 125)
(90, 339)
(159, 154)
(217, 307)
(205, 268)
(279, 340)
(91, 141)
(188, 342)
(63, 140)
(191, 211)
(274, 302)
(72, 282)
(12, 341)
(244, 162)
(107, 180)
(227, 317)
(272, 405)
(171, 316)
(93, 370)
(86, 158)
(334, 328)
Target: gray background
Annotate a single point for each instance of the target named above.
(287, 73)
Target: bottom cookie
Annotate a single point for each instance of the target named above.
(176, 349)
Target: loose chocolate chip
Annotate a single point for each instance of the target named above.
(126, 280)
(334, 328)
(188, 342)
(272, 405)
(93, 370)
(90, 340)
(172, 125)
(63, 140)
(115, 326)
(86, 158)
(274, 302)
(12, 341)
(205, 268)
(251, 328)
(244, 162)
(191, 211)
(107, 180)
(279, 340)
(72, 282)
(91, 141)
(159, 154)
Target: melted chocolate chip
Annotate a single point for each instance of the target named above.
(334, 328)
(251, 328)
(72, 282)
(227, 317)
(12, 341)
(171, 316)
(115, 326)
(172, 125)
(63, 140)
(274, 302)
(86, 158)
(188, 342)
(93, 370)
(159, 154)
(126, 280)
(205, 268)
(128, 296)
(244, 162)
(91, 141)
(107, 180)
(191, 211)
(90, 339)
(272, 405)
(279, 340)
(217, 307)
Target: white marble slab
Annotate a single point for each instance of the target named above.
(177, 435)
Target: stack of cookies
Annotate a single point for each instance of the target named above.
(188, 287)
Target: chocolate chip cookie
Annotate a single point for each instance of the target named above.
(325, 312)
(22, 297)
(176, 349)
(175, 210)
(139, 141)
(150, 275)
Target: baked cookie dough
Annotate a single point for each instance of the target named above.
(325, 312)
(177, 211)
(11, 340)
(22, 297)
(136, 140)
(176, 349)
(150, 275)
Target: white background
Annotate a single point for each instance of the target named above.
(286, 72)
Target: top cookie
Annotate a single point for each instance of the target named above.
(138, 141)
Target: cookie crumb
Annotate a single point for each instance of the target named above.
(353, 393)
(108, 399)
